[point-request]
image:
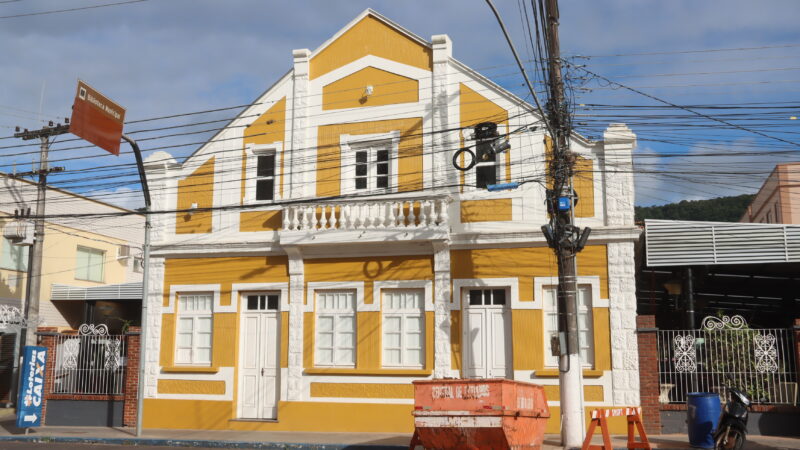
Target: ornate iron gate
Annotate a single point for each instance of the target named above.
(90, 362)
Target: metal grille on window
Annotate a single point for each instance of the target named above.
(265, 184)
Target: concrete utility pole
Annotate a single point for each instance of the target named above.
(34, 282)
(566, 240)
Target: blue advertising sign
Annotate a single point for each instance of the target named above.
(31, 389)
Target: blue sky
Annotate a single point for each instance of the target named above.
(163, 57)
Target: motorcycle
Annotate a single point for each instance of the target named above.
(732, 430)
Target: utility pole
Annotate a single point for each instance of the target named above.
(34, 281)
(566, 240)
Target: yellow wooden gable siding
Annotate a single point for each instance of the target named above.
(582, 180)
(260, 220)
(196, 188)
(371, 36)
(388, 89)
(474, 108)
(268, 128)
(329, 156)
(496, 210)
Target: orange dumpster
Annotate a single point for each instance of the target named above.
(479, 414)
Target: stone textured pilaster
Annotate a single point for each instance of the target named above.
(618, 144)
(441, 314)
(442, 148)
(622, 308)
(300, 173)
(159, 168)
(647, 341)
(296, 294)
(152, 348)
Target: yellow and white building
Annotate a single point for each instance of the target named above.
(326, 253)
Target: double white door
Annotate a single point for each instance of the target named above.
(487, 346)
(259, 384)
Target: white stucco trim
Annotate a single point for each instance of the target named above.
(175, 289)
(426, 285)
(511, 283)
(594, 280)
(358, 286)
(238, 288)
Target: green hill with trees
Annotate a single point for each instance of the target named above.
(722, 209)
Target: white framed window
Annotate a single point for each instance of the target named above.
(585, 324)
(335, 335)
(369, 163)
(487, 296)
(403, 328)
(194, 329)
(14, 257)
(89, 264)
(262, 173)
(267, 301)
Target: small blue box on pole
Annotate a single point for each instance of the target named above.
(31, 389)
(563, 203)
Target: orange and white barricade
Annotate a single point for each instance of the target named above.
(600, 418)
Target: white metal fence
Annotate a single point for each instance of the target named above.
(725, 352)
(91, 362)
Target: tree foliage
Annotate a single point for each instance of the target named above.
(722, 209)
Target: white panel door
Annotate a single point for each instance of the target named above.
(259, 368)
(487, 336)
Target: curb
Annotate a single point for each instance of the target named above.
(193, 443)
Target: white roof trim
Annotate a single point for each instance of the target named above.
(124, 291)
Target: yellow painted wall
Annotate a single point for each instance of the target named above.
(388, 89)
(308, 416)
(590, 393)
(371, 36)
(455, 340)
(260, 220)
(268, 128)
(362, 390)
(191, 387)
(474, 108)
(583, 183)
(196, 188)
(329, 157)
(495, 210)
(527, 339)
(284, 339)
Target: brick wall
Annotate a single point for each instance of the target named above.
(648, 373)
(132, 377)
(47, 339)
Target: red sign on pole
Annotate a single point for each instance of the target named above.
(96, 119)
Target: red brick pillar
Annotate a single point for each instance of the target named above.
(649, 391)
(47, 339)
(133, 344)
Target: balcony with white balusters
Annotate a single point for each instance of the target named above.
(366, 220)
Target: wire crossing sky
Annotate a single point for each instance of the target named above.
(184, 68)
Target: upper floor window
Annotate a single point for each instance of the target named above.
(369, 163)
(262, 181)
(15, 257)
(89, 264)
(486, 165)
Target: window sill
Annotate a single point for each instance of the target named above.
(387, 372)
(553, 373)
(190, 369)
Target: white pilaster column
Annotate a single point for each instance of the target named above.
(160, 168)
(442, 148)
(154, 298)
(441, 308)
(299, 175)
(619, 142)
(296, 293)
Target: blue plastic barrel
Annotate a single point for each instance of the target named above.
(702, 417)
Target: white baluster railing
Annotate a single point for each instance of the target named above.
(391, 214)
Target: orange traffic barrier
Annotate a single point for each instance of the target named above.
(600, 417)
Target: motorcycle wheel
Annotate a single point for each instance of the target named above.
(732, 439)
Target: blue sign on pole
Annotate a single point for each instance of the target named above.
(31, 389)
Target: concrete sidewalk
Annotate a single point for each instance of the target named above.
(298, 440)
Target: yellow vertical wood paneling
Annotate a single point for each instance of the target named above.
(388, 89)
(602, 338)
(371, 36)
(455, 340)
(409, 158)
(196, 188)
(429, 339)
(224, 344)
(268, 128)
(260, 221)
(308, 340)
(583, 183)
(167, 356)
(494, 210)
(284, 339)
(527, 339)
(367, 268)
(368, 341)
